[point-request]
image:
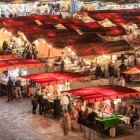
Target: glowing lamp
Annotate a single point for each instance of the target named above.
(69, 49)
(50, 46)
(73, 53)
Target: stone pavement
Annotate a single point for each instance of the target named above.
(18, 123)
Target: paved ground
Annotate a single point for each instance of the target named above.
(18, 123)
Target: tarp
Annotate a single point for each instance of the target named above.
(13, 64)
(55, 77)
(77, 33)
(133, 70)
(8, 56)
(100, 48)
(4, 65)
(101, 93)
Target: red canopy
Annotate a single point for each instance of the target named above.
(27, 63)
(4, 65)
(94, 94)
(88, 40)
(55, 77)
(133, 70)
(11, 64)
(8, 56)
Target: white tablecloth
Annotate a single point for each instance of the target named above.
(125, 119)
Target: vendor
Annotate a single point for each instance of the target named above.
(130, 111)
(123, 109)
(91, 117)
(134, 116)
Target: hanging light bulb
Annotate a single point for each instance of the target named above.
(9, 33)
(73, 53)
(43, 41)
(36, 42)
(50, 46)
(69, 49)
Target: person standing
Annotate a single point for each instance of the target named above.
(62, 65)
(34, 104)
(4, 83)
(34, 52)
(111, 74)
(123, 109)
(130, 111)
(18, 89)
(28, 53)
(65, 102)
(10, 89)
(98, 71)
(121, 81)
(41, 102)
(5, 46)
(80, 119)
(122, 67)
(57, 108)
(24, 53)
(66, 122)
(134, 116)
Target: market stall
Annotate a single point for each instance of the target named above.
(94, 94)
(56, 81)
(105, 100)
(105, 32)
(133, 73)
(19, 64)
(16, 68)
(55, 77)
(94, 35)
(8, 56)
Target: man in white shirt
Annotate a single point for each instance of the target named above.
(64, 102)
(121, 81)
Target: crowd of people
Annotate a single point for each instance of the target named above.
(6, 49)
(72, 113)
(49, 101)
(113, 73)
(28, 51)
(76, 113)
(131, 111)
(13, 89)
(13, 10)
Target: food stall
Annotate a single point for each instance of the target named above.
(15, 68)
(134, 74)
(8, 56)
(14, 64)
(56, 81)
(108, 99)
